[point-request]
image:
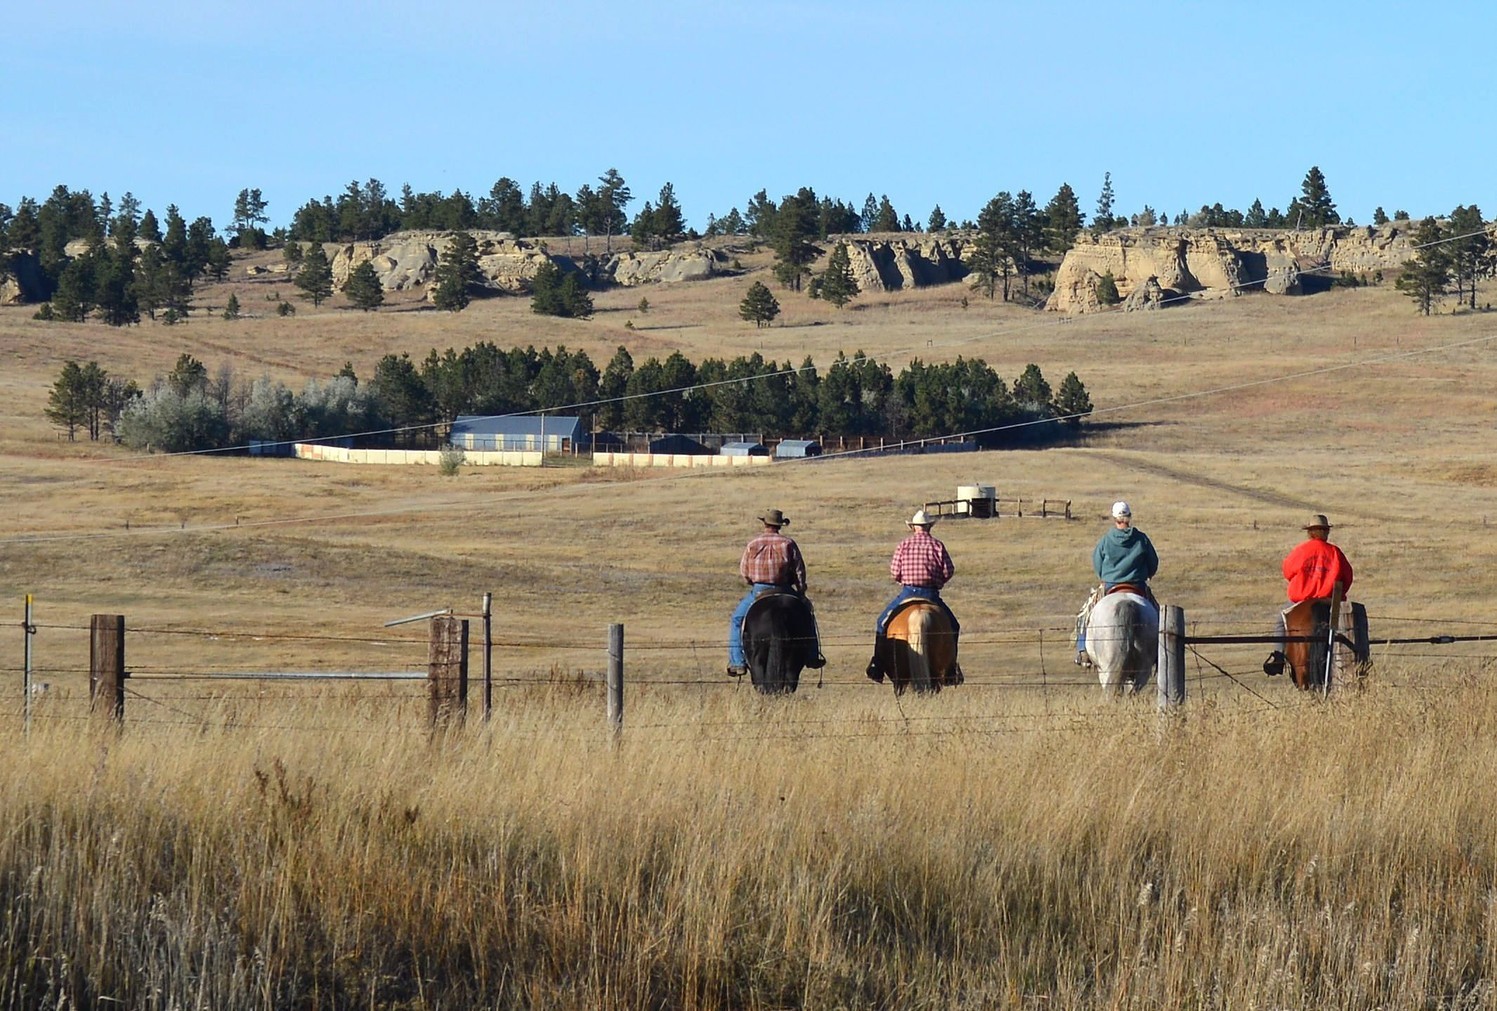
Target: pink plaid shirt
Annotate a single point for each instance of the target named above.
(921, 560)
(773, 558)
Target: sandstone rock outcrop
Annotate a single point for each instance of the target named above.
(404, 260)
(667, 266)
(1148, 295)
(21, 278)
(894, 264)
(1211, 262)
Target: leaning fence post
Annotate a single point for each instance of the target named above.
(106, 665)
(616, 678)
(447, 670)
(1171, 657)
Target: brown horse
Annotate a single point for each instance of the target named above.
(919, 650)
(1343, 656)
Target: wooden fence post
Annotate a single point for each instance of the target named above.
(1171, 658)
(447, 671)
(616, 678)
(106, 665)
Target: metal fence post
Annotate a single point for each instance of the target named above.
(488, 656)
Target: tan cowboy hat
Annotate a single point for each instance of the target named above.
(1318, 522)
(921, 519)
(774, 518)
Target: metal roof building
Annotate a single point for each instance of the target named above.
(797, 448)
(507, 433)
(744, 449)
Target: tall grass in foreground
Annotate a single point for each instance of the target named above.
(737, 855)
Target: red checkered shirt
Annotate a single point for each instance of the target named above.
(773, 558)
(921, 560)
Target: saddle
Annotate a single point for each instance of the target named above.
(1141, 589)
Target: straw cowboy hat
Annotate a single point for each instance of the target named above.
(774, 518)
(1318, 522)
(921, 519)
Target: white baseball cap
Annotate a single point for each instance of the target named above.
(1120, 510)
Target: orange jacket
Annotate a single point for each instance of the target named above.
(1313, 568)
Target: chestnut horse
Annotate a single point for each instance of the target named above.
(779, 639)
(919, 651)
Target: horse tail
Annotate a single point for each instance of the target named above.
(921, 620)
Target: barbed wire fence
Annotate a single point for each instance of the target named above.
(238, 679)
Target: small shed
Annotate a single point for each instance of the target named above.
(679, 445)
(744, 449)
(795, 449)
(551, 433)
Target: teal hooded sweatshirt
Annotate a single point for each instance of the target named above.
(1125, 556)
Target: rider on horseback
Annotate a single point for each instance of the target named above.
(771, 563)
(1312, 569)
(1124, 554)
(921, 565)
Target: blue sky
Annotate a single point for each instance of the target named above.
(929, 103)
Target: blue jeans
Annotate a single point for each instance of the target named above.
(735, 623)
(924, 593)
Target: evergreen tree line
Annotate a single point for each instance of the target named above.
(132, 264)
(410, 402)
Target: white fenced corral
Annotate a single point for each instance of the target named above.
(417, 457)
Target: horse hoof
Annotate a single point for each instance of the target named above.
(1274, 665)
(874, 672)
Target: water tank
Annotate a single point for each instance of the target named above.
(976, 500)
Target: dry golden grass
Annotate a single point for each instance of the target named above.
(291, 844)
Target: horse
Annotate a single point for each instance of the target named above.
(918, 650)
(1122, 639)
(1345, 655)
(779, 639)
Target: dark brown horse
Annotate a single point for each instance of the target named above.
(918, 650)
(779, 639)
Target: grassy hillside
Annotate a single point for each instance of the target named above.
(1015, 842)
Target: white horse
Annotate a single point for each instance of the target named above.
(1122, 638)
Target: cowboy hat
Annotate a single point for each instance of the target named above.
(921, 519)
(1318, 522)
(774, 518)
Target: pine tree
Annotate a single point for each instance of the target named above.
(837, 284)
(1468, 250)
(937, 220)
(1072, 402)
(613, 197)
(231, 308)
(1107, 290)
(67, 403)
(1314, 207)
(887, 220)
(1062, 219)
(1426, 277)
(315, 279)
(795, 224)
(1379, 217)
(457, 270)
(669, 224)
(759, 306)
(363, 288)
(1102, 222)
